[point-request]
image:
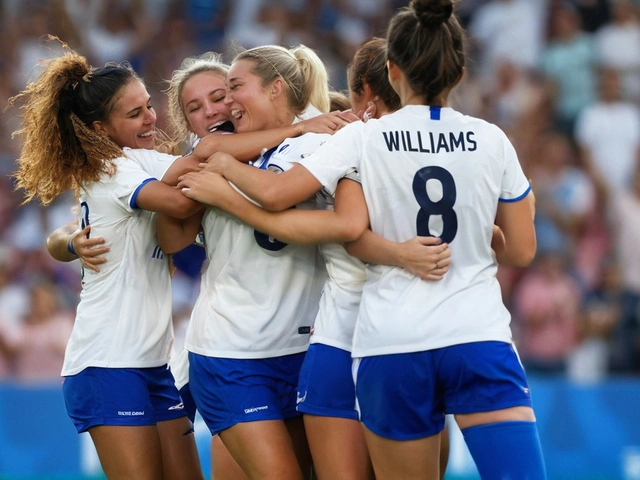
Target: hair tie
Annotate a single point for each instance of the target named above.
(87, 77)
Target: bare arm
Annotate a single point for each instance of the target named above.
(515, 220)
(425, 257)
(90, 251)
(247, 146)
(346, 223)
(158, 197)
(273, 191)
(174, 234)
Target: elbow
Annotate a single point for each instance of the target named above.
(270, 200)
(352, 231)
(521, 257)
(184, 208)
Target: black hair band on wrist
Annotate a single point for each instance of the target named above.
(72, 250)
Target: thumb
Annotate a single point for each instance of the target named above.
(429, 240)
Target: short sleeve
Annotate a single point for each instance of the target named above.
(514, 186)
(127, 182)
(293, 150)
(153, 162)
(338, 157)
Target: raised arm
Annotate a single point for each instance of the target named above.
(248, 146)
(273, 191)
(346, 223)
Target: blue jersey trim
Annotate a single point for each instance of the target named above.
(434, 112)
(133, 202)
(267, 156)
(517, 199)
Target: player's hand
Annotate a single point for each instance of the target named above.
(327, 122)
(369, 113)
(425, 257)
(206, 187)
(90, 251)
(217, 163)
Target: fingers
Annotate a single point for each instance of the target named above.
(430, 241)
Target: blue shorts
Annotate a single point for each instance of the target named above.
(229, 391)
(188, 402)
(121, 396)
(405, 396)
(326, 384)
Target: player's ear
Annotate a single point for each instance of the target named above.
(277, 88)
(100, 128)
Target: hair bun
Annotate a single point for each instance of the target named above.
(432, 12)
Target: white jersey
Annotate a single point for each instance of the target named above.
(428, 171)
(258, 296)
(124, 315)
(342, 291)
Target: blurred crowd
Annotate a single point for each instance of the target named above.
(561, 77)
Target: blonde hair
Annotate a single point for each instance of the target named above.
(61, 151)
(207, 62)
(300, 68)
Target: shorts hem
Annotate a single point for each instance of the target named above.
(283, 417)
(327, 412)
(463, 410)
(402, 437)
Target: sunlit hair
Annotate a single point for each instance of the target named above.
(425, 40)
(61, 150)
(300, 68)
(369, 67)
(339, 101)
(207, 62)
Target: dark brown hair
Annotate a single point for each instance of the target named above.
(369, 66)
(425, 40)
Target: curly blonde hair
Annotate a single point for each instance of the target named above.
(61, 150)
(207, 62)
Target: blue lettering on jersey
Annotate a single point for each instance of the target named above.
(392, 140)
(407, 141)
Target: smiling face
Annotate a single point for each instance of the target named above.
(132, 120)
(202, 99)
(252, 106)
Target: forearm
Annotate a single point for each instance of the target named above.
(58, 242)
(255, 183)
(302, 227)
(175, 234)
(245, 146)
(372, 248)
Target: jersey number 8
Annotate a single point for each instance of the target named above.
(443, 207)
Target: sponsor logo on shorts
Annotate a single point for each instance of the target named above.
(179, 406)
(300, 399)
(256, 409)
(133, 413)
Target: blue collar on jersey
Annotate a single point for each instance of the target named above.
(435, 113)
(266, 156)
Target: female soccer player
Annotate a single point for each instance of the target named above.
(423, 349)
(250, 325)
(81, 129)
